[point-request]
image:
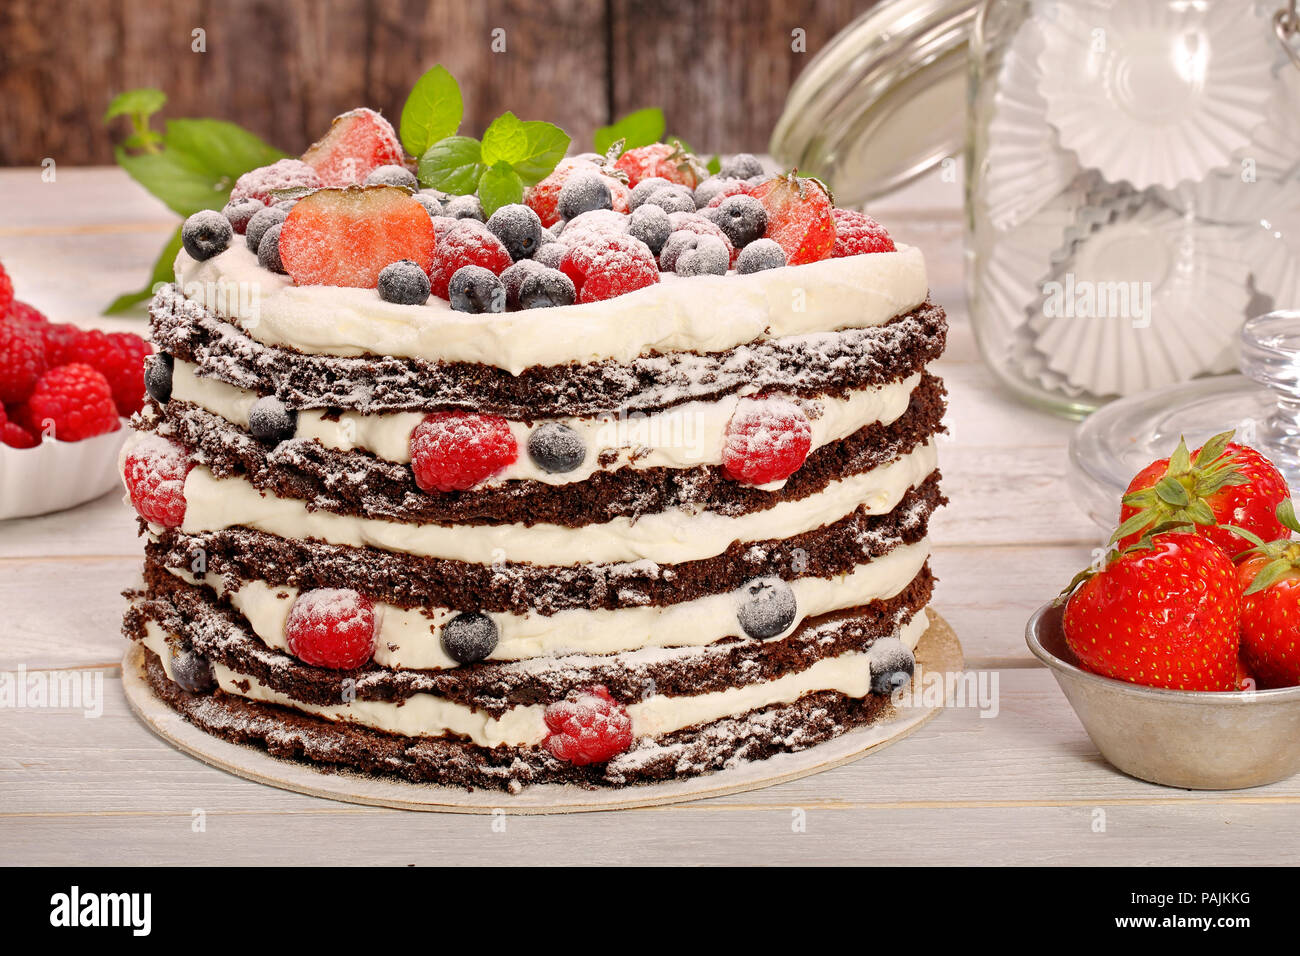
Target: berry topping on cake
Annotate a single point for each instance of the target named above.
(331, 627)
(856, 234)
(671, 197)
(766, 607)
(22, 360)
(556, 448)
(261, 222)
(72, 402)
(651, 225)
(154, 472)
(740, 166)
(270, 421)
(191, 670)
(158, 377)
(759, 255)
(393, 175)
(518, 228)
(696, 255)
(546, 288)
(544, 198)
(665, 160)
(603, 267)
(643, 190)
(285, 174)
(587, 726)
(453, 451)
(465, 207)
(476, 290)
(403, 283)
(799, 217)
(357, 143)
(698, 224)
(584, 192)
(468, 243)
(345, 237)
(268, 250)
(431, 203)
(469, 637)
(206, 234)
(742, 218)
(892, 665)
(239, 212)
(717, 188)
(766, 440)
(512, 280)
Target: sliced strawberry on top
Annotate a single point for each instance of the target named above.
(666, 160)
(345, 237)
(800, 217)
(357, 142)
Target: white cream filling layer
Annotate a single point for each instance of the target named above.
(686, 435)
(411, 638)
(704, 313)
(424, 715)
(667, 537)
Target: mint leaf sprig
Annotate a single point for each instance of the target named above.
(513, 153)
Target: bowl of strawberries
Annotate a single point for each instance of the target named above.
(1179, 649)
(64, 391)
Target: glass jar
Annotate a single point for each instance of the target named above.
(1132, 190)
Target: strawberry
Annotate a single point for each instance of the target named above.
(1163, 613)
(665, 160)
(1270, 613)
(283, 174)
(357, 142)
(345, 237)
(800, 217)
(1218, 487)
(544, 197)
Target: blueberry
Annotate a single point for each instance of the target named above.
(158, 377)
(262, 221)
(239, 211)
(650, 224)
(464, 207)
(767, 607)
(643, 190)
(513, 277)
(191, 670)
(891, 663)
(556, 448)
(759, 255)
(708, 257)
(708, 190)
(672, 198)
(545, 288)
(432, 204)
(270, 421)
(678, 242)
(206, 233)
(469, 637)
(518, 228)
(741, 166)
(403, 283)
(475, 289)
(551, 254)
(742, 218)
(392, 175)
(584, 193)
(268, 250)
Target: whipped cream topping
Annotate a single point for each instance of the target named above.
(667, 537)
(680, 437)
(703, 313)
(426, 715)
(411, 638)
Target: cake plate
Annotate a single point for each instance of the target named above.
(938, 653)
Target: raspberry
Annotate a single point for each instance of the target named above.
(587, 726)
(154, 472)
(22, 312)
(603, 267)
(358, 142)
(6, 292)
(282, 174)
(665, 160)
(766, 440)
(856, 234)
(118, 356)
(61, 341)
(22, 360)
(452, 451)
(544, 198)
(74, 401)
(16, 437)
(799, 217)
(331, 627)
(469, 243)
(694, 222)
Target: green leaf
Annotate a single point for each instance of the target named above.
(163, 271)
(1172, 493)
(504, 141)
(453, 164)
(142, 102)
(531, 147)
(639, 128)
(499, 186)
(714, 165)
(433, 111)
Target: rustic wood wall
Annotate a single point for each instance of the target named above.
(284, 68)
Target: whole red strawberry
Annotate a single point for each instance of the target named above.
(1270, 610)
(666, 160)
(331, 627)
(71, 403)
(1164, 613)
(800, 217)
(453, 451)
(766, 440)
(1220, 484)
(587, 726)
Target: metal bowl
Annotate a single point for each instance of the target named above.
(1198, 740)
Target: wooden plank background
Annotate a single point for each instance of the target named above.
(284, 68)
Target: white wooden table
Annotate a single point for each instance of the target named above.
(1024, 786)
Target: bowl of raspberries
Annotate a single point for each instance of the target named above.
(64, 391)
(1179, 648)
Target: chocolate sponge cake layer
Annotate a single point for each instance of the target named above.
(828, 362)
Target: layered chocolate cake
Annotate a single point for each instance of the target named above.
(602, 490)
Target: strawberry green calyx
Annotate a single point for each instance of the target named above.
(1276, 559)
(1113, 554)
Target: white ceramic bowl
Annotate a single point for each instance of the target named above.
(58, 474)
